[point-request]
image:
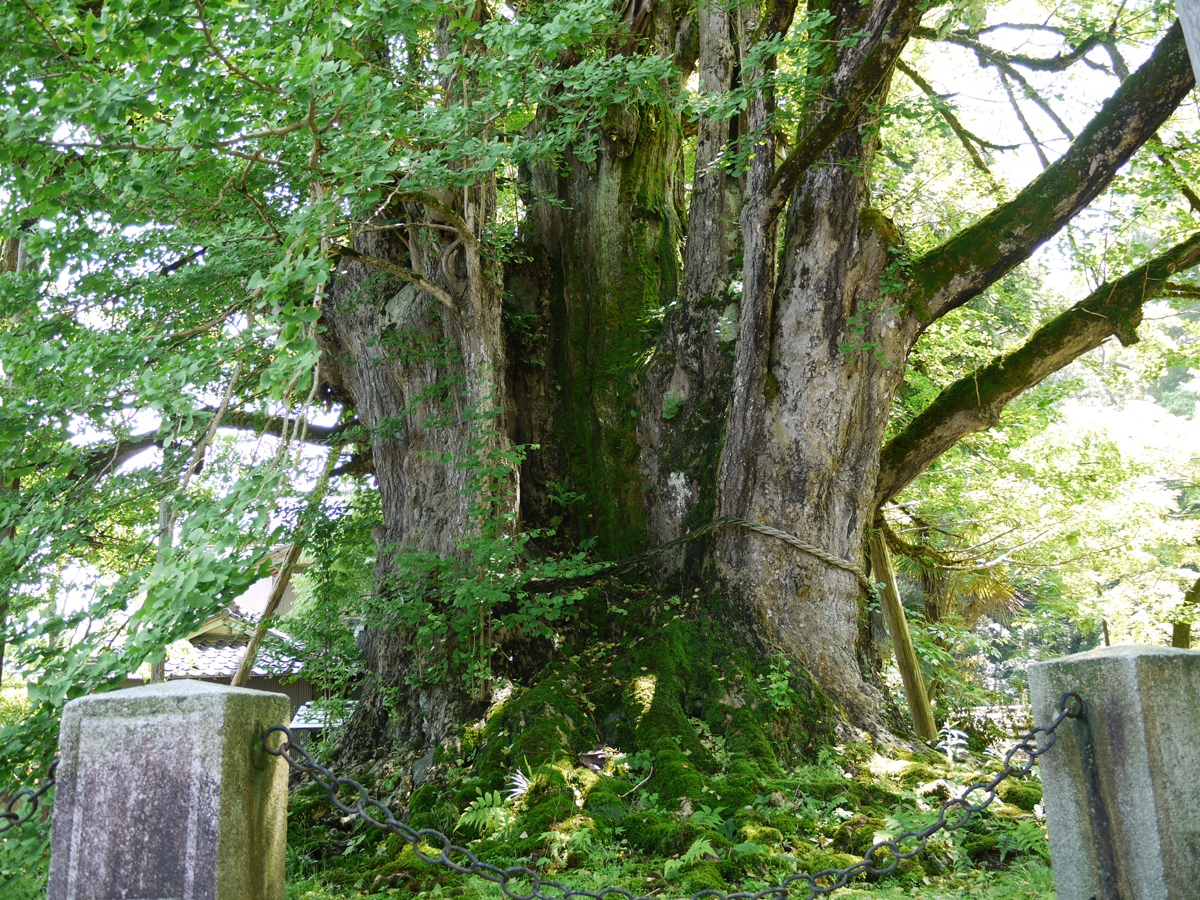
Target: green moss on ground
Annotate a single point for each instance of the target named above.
(721, 773)
(1020, 794)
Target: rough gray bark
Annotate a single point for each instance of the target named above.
(825, 404)
(821, 353)
(608, 231)
(871, 40)
(810, 400)
(413, 368)
(684, 392)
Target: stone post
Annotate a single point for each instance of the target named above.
(165, 793)
(1122, 786)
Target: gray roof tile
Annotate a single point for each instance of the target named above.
(219, 659)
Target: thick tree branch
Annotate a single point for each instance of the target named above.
(776, 20)
(974, 402)
(400, 272)
(950, 275)
(1038, 63)
(853, 84)
(263, 423)
(105, 459)
(1121, 69)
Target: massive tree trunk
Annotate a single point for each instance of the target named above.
(682, 386)
(684, 391)
(423, 366)
(820, 354)
(14, 257)
(835, 359)
(701, 336)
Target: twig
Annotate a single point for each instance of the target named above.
(221, 56)
(207, 326)
(640, 783)
(1026, 127)
(967, 139)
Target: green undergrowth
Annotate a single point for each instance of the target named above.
(721, 770)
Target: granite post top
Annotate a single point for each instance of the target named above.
(184, 689)
(1119, 652)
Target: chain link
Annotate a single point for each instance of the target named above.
(882, 859)
(11, 818)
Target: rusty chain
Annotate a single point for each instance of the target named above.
(883, 858)
(11, 818)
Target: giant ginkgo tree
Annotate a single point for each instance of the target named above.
(515, 254)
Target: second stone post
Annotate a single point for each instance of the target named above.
(1122, 785)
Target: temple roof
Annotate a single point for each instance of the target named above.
(220, 658)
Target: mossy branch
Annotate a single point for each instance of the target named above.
(1175, 289)
(974, 402)
(978, 256)
(1165, 153)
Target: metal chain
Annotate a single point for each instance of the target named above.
(881, 859)
(630, 562)
(11, 818)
